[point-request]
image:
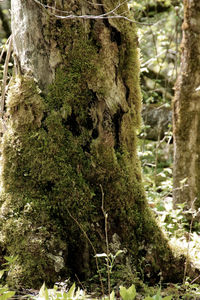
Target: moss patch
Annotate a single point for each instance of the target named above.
(62, 147)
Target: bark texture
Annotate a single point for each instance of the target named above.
(73, 110)
(186, 111)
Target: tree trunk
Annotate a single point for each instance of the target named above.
(70, 148)
(186, 111)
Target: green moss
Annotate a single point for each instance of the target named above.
(26, 108)
(58, 157)
(43, 169)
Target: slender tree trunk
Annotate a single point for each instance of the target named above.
(187, 111)
(70, 149)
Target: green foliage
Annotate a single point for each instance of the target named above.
(5, 292)
(55, 294)
(128, 294)
(156, 159)
(158, 297)
(63, 292)
(109, 259)
(125, 293)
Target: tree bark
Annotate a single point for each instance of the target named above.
(186, 112)
(70, 149)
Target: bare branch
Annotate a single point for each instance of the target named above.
(108, 15)
(5, 75)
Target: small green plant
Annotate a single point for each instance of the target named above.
(109, 259)
(110, 297)
(5, 293)
(128, 294)
(56, 294)
(9, 261)
(158, 297)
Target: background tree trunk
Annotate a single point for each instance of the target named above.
(73, 110)
(186, 111)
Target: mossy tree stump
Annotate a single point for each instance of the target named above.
(73, 110)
